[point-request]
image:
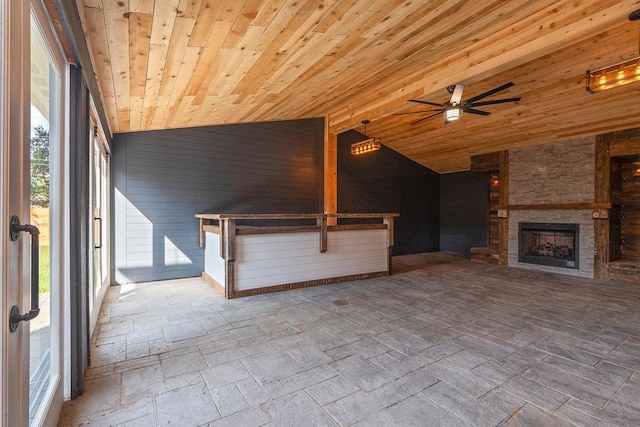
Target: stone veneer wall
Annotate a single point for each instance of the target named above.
(562, 172)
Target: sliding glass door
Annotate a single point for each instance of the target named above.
(14, 203)
(31, 236)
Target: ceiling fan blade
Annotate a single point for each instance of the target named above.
(474, 111)
(456, 95)
(425, 102)
(415, 112)
(425, 118)
(491, 92)
(495, 101)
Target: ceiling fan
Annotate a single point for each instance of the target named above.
(454, 108)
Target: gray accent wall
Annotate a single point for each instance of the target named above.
(161, 179)
(387, 181)
(464, 211)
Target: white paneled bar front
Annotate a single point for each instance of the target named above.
(255, 254)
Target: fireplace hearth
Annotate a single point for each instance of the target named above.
(549, 244)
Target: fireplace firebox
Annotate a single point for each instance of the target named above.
(555, 245)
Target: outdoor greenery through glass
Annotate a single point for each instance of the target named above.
(40, 192)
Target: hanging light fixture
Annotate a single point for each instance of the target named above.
(614, 75)
(618, 74)
(366, 146)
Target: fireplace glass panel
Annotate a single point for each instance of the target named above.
(549, 244)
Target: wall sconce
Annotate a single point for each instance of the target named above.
(367, 146)
(636, 171)
(495, 181)
(615, 75)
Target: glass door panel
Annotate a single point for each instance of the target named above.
(98, 218)
(100, 199)
(44, 142)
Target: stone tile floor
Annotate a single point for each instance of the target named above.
(442, 342)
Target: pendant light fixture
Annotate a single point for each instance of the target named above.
(366, 146)
(618, 74)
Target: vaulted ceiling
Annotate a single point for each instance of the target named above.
(177, 63)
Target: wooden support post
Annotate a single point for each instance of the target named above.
(322, 222)
(203, 236)
(388, 220)
(223, 242)
(228, 237)
(601, 219)
(503, 199)
(489, 162)
(624, 142)
(330, 172)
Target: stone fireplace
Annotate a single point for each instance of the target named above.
(589, 182)
(552, 185)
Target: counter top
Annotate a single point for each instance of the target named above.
(216, 216)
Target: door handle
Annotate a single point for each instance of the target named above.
(15, 317)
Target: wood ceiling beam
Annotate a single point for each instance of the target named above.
(557, 26)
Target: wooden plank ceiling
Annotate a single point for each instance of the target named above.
(177, 63)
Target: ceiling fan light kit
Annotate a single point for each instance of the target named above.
(453, 113)
(614, 75)
(453, 109)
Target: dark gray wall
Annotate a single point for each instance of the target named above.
(464, 211)
(386, 181)
(163, 178)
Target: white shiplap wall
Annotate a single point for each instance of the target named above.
(214, 265)
(275, 259)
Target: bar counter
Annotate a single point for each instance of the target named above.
(250, 254)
